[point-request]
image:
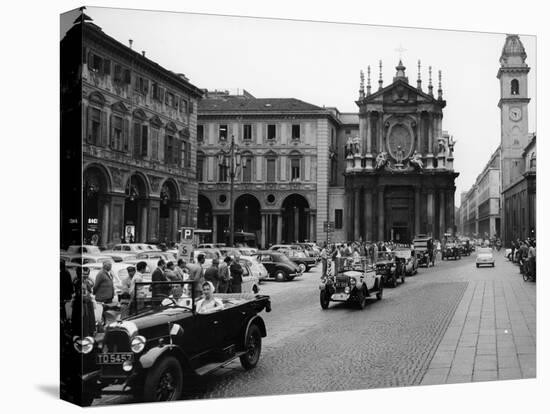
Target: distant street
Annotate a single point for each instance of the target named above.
(389, 343)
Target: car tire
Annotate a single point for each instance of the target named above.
(324, 300)
(394, 281)
(164, 382)
(303, 267)
(86, 399)
(253, 348)
(280, 276)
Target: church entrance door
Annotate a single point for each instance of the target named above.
(400, 214)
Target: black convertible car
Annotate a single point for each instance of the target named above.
(149, 353)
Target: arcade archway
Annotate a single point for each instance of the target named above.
(295, 213)
(247, 217)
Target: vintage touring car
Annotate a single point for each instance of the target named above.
(149, 353)
(353, 281)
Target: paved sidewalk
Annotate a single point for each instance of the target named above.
(492, 335)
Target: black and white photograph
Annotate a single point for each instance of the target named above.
(257, 208)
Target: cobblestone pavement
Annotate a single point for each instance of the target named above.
(389, 343)
(492, 335)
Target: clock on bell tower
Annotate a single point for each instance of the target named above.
(513, 103)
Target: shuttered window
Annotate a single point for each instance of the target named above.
(247, 169)
(271, 178)
(94, 126)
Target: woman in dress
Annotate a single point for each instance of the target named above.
(209, 303)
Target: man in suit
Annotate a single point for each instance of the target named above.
(104, 289)
(159, 292)
(196, 274)
(236, 271)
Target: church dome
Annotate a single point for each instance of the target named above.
(513, 47)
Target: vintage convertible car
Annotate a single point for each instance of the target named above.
(387, 266)
(149, 353)
(408, 259)
(353, 282)
(450, 250)
(424, 247)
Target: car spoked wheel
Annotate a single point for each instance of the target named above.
(164, 381)
(253, 348)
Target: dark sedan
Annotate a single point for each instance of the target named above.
(278, 265)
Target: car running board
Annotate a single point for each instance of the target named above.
(208, 368)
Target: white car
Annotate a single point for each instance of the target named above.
(80, 249)
(485, 257)
(133, 248)
(255, 266)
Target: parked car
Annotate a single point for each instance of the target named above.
(134, 248)
(120, 256)
(408, 260)
(278, 265)
(256, 267)
(210, 245)
(84, 248)
(297, 247)
(304, 262)
(466, 248)
(353, 282)
(485, 257)
(424, 247)
(210, 254)
(387, 266)
(153, 350)
(450, 250)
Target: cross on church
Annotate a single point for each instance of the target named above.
(400, 50)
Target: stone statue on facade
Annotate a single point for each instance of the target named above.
(452, 143)
(442, 149)
(381, 160)
(356, 145)
(416, 160)
(349, 147)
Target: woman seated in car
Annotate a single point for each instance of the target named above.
(209, 303)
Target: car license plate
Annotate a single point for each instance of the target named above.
(340, 296)
(114, 358)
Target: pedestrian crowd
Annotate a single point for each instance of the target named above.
(523, 252)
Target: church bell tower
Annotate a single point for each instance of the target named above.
(513, 108)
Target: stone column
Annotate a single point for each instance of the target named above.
(296, 225)
(450, 209)
(312, 236)
(431, 213)
(104, 240)
(441, 214)
(369, 133)
(356, 215)
(381, 219)
(348, 209)
(175, 221)
(279, 227)
(214, 228)
(416, 210)
(263, 230)
(308, 222)
(367, 206)
(143, 225)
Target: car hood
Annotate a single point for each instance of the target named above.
(159, 317)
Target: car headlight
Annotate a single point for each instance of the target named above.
(346, 290)
(83, 345)
(352, 281)
(137, 344)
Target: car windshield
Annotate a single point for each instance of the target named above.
(381, 256)
(485, 250)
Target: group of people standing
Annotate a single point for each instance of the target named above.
(524, 253)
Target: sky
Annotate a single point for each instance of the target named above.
(320, 62)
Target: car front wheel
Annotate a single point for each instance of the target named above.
(252, 347)
(280, 276)
(380, 292)
(164, 382)
(303, 267)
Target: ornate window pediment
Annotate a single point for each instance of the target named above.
(140, 114)
(119, 107)
(170, 126)
(97, 99)
(155, 121)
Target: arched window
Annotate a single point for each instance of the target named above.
(514, 87)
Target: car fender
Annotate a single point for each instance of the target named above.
(148, 359)
(257, 320)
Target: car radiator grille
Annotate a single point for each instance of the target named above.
(116, 341)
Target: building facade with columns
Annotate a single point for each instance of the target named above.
(280, 189)
(138, 142)
(399, 172)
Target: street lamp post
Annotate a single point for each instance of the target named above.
(231, 158)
